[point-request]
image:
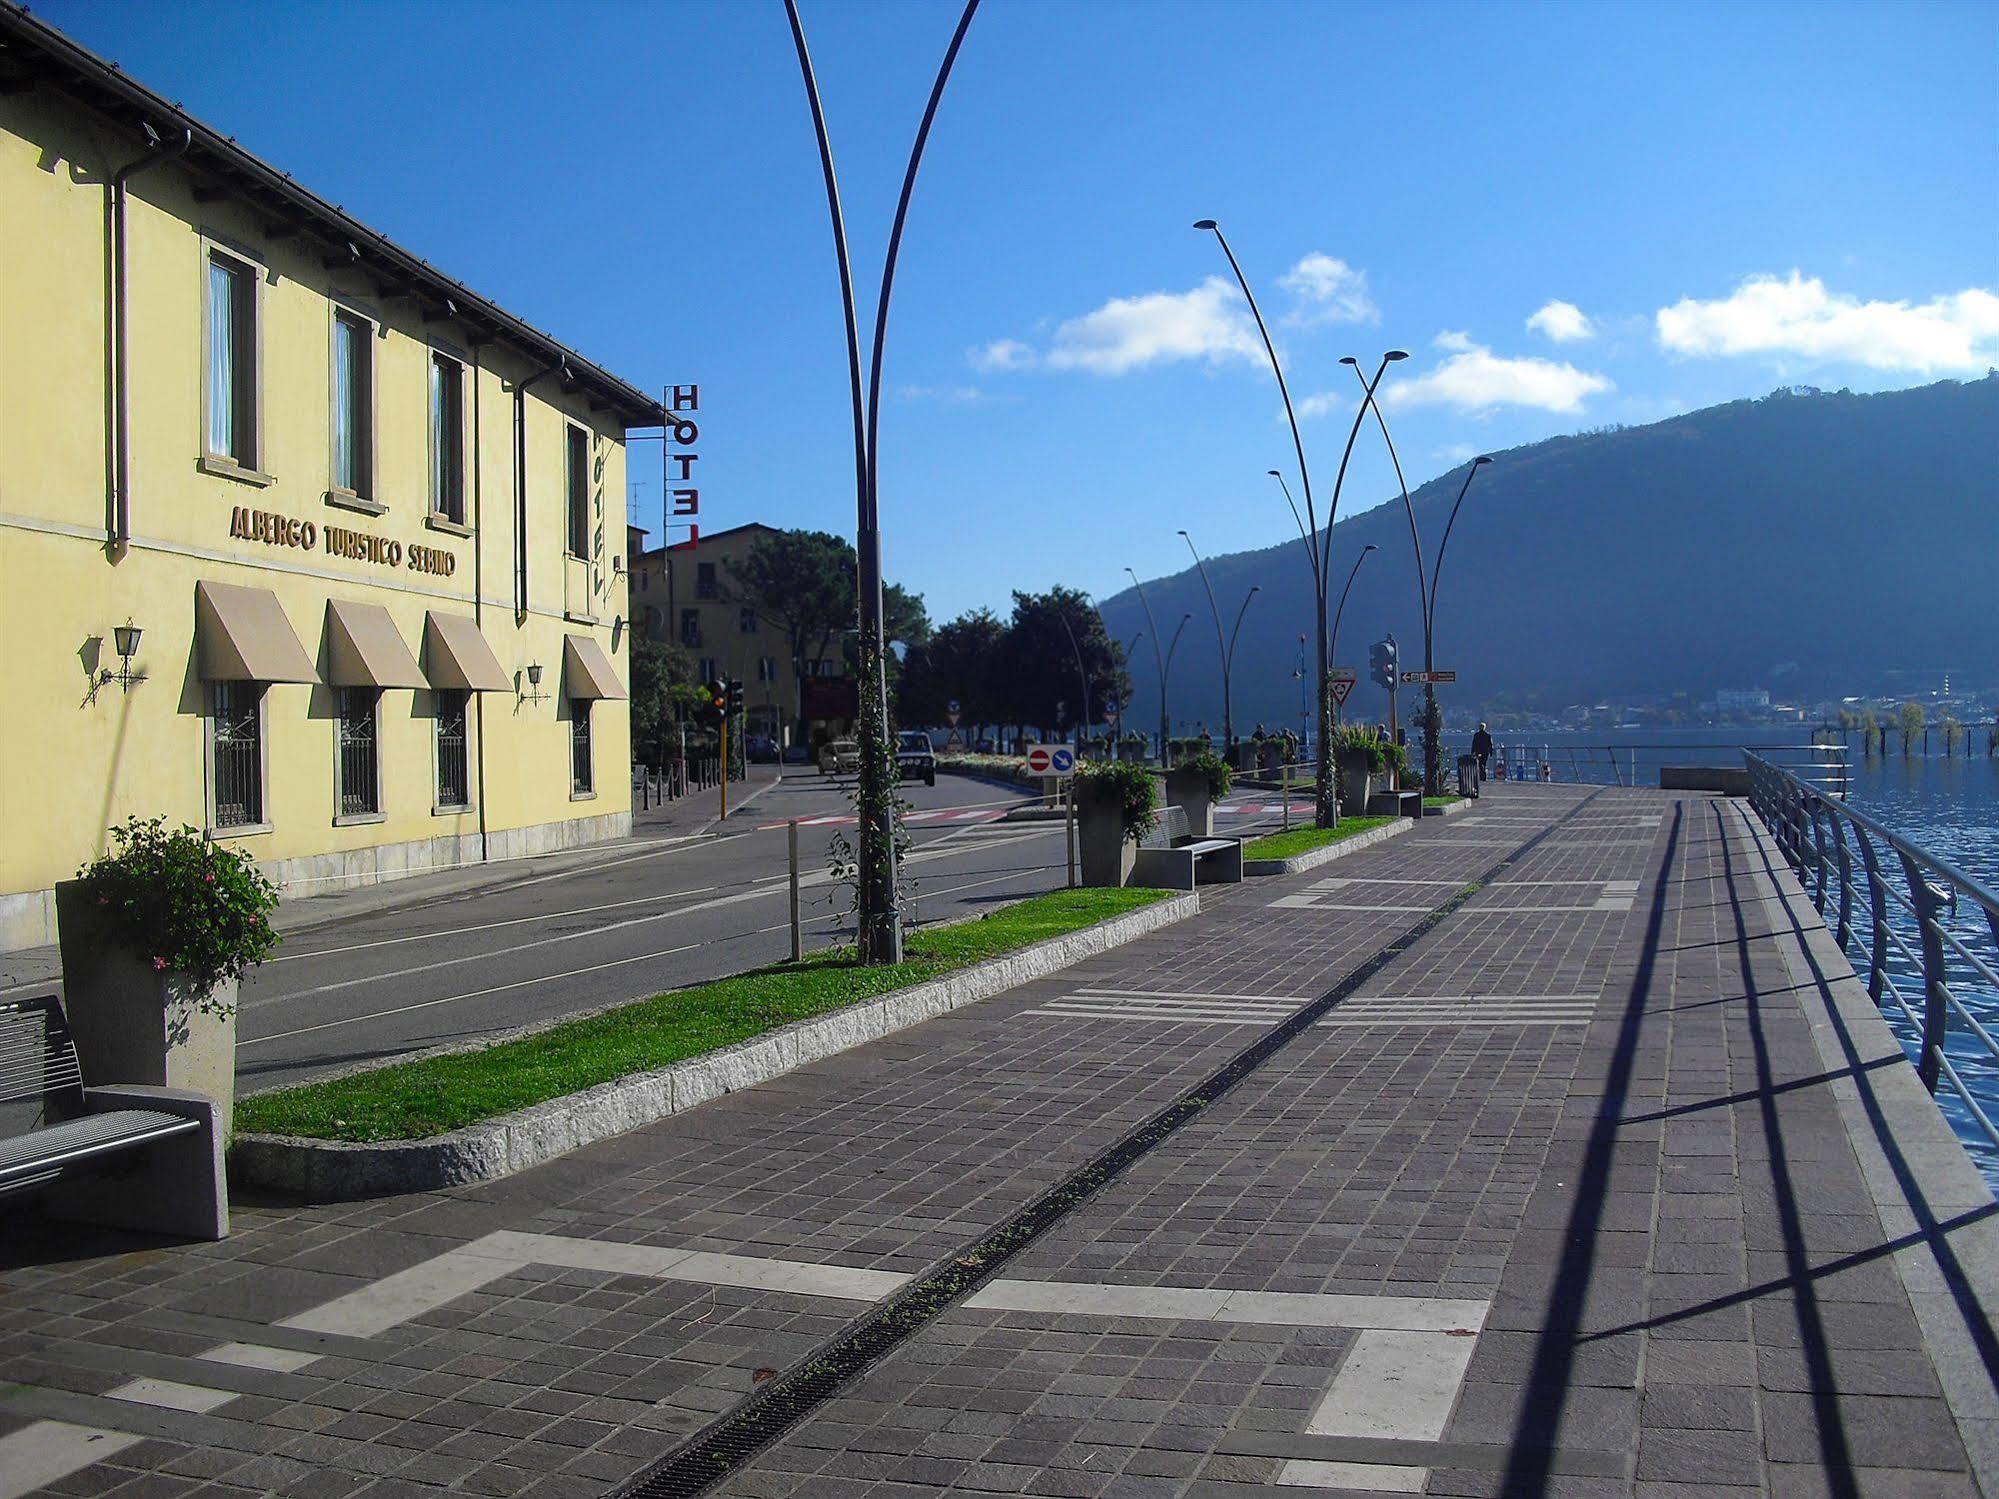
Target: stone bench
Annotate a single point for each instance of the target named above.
(1170, 858)
(126, 1156)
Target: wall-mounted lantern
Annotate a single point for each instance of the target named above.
(126, 638)
(532, 693)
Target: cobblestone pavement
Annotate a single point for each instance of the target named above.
(1568, 1196)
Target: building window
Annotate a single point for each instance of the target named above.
(579, 492)
(237, 738)
(353, 404)
(746, 621)
(655, 623)
(705, 586)
(708, 670)
(232, 360)
(645, 582)
(359, 758)
(447, 438)
(454, 785)
(766, 668)
(690, 627)
(582, 780)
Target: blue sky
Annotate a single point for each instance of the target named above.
(1715, 199)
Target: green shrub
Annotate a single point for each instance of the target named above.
(1355, 739)
(188, 905)
(1131, 785)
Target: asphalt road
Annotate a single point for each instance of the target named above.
(637, 918)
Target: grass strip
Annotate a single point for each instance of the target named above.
(430, 1096)
(1304, 840)
(1445, 800)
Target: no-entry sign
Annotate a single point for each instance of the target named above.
(1047, 759)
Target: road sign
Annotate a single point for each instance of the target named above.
(952, 706)
(1038, 759)
(1429, 676)
(1050, 759)
(1061, 759)
(1341, 687)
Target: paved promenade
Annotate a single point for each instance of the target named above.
(1547, 1150)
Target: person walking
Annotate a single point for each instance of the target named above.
(1481, 748)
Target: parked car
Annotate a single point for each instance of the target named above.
(840, 757)
(761, 749)
(916, 757)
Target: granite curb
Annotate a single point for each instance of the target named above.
(338, 1171)
(1314, 857)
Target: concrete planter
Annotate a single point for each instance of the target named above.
(135, 1025)
(1356, 783)
(1314, 857)
(1106, 854)
(1188, 790)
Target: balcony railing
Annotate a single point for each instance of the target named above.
(1925, 932)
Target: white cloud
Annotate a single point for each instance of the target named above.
(956, 395)
(1209, 323)
(1328, 291)
(1798, 317)
(1322, 403)
(1455, 453)
(1473, 378)
(1001, 354)
(1562, 323)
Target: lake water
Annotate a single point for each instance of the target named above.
(1948, 807)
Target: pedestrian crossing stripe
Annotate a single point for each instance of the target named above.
(1162, 1008)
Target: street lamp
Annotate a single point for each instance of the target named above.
(1083, 717)
(1426, 594)
(1163, 662)
(1165, 758)
(878, 917)
(1225, 647)
(1342, 609)
(1326, 809)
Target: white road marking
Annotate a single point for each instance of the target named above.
(171, 1394)
(1434, 1315)
(259, 1356)
(1396, 1385)
(48, 1451)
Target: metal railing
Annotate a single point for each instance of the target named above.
(1822, 764)
(1913, 919)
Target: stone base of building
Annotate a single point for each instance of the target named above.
(28, 919)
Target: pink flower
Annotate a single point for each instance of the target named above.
(208, 878)
(159, 965)
(104, 900)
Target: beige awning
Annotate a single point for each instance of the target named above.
(243, 636)
(586, 671)
(364, 649)
(455, 654)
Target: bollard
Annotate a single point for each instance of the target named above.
(797, 935)
(1284, 794)
(1070, 832)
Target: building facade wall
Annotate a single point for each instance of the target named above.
(77, 758)
(668, 592)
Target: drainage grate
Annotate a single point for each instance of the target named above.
(778, 1404)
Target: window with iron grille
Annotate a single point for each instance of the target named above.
(690, 627)
(746, 621)
(454, 786)
(360, 765)
(237, 739)
(705, 584)
(766, 668)
(582, 778)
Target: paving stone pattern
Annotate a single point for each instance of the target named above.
(1591, 1126)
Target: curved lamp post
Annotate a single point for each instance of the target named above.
(1224, 646)
(1426, 594)
(1342, 609)
(1083, 676)
(1163, 661)
(879, 919)
(1165, 724)
(1326, 809)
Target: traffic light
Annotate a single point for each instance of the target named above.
(1381, 663)
(734, 695)
(714, 699)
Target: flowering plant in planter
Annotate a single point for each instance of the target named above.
(1131, 786)
(186, 905)
(1214, 769)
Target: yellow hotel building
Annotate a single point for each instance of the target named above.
(301, 542)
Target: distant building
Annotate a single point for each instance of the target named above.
(687, 594)
(305, 544)
(1742, 700)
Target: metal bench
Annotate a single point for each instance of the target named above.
(127, 1156)
(1171, 858)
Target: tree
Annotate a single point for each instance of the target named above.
(960, 662)
(1041, 684)
(1909, 720)
(663, 689)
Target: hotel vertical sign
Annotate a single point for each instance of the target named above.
(683, 498)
